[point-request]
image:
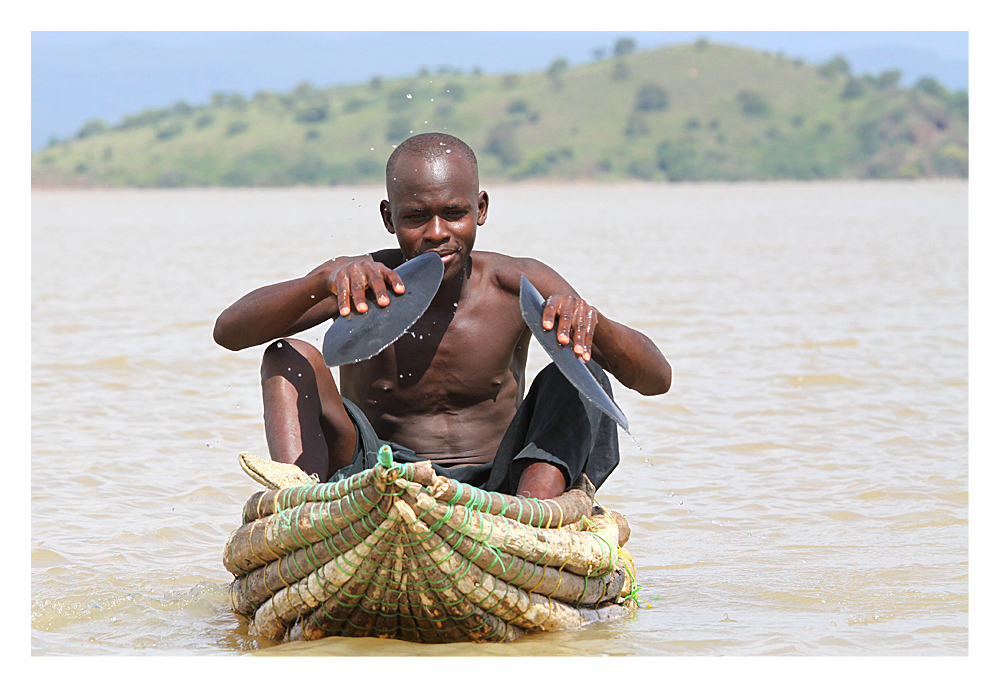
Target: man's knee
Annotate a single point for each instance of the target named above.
(289, 355)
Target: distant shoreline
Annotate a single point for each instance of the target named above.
(487, 184)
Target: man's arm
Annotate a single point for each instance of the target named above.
(628, 354)
(280, 310)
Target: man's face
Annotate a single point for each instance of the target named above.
(435, 205)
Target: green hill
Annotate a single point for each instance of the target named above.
(694, 112)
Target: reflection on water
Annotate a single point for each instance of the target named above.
(803, 488)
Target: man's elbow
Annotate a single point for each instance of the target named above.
(658, 383)
(223, 335)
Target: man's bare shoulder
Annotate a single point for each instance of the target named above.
(505, 271)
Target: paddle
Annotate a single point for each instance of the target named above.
(573, 368)
(359, 336)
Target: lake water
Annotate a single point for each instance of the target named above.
(801, 490)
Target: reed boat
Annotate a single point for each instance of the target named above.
(398, 551)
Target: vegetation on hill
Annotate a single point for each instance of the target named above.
(694, 112)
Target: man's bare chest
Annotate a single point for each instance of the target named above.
(448, 360)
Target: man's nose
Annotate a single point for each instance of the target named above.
(437, 230)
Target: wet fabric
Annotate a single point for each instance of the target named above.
(554, 423)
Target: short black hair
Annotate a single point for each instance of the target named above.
(430, 146)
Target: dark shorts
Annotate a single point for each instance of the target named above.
(554, 423)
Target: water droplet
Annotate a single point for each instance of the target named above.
(409, 96)
(209, 446)
(300, 374)
(373, 148)
(279, 346)
(447, 150)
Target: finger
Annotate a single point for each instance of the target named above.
(549, 313)
(580, 329)
(343, 287)
(358, 286)
(565, 315)
(591, 327)
(394, 281)
(377, 282)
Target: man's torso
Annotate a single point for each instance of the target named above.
(449, 387)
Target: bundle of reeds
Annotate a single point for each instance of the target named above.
(398, 551)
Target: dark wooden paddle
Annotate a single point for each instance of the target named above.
(359, 336)
(572, 367)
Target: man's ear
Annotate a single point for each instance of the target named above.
(484, 204)
(386, 212)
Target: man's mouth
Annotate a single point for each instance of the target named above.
(446, 256)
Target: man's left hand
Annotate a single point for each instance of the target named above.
(574, 320)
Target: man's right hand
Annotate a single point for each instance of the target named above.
(351, 282)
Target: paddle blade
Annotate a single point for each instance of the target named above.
(573, 368)
(359, 336)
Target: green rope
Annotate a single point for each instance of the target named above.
(385, 456)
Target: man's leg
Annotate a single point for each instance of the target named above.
(541, 480)
(554, 437)
(304, 418)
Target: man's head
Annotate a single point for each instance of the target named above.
(434, 203)
(430, 146)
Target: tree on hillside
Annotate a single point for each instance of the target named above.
(312, 114)
(931, 87)
(619, 72)
(650, 98)
(752, 103)
(835, 67)
(500, 142)
(676, 161)
(636, 126)
(854, 88)
(889, 79)
(624, 46)
(398, 129)
(555, 72)
(517, 106)
(94, 126)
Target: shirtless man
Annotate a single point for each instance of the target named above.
(449, 390)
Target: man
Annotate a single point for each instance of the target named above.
(452, 390)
